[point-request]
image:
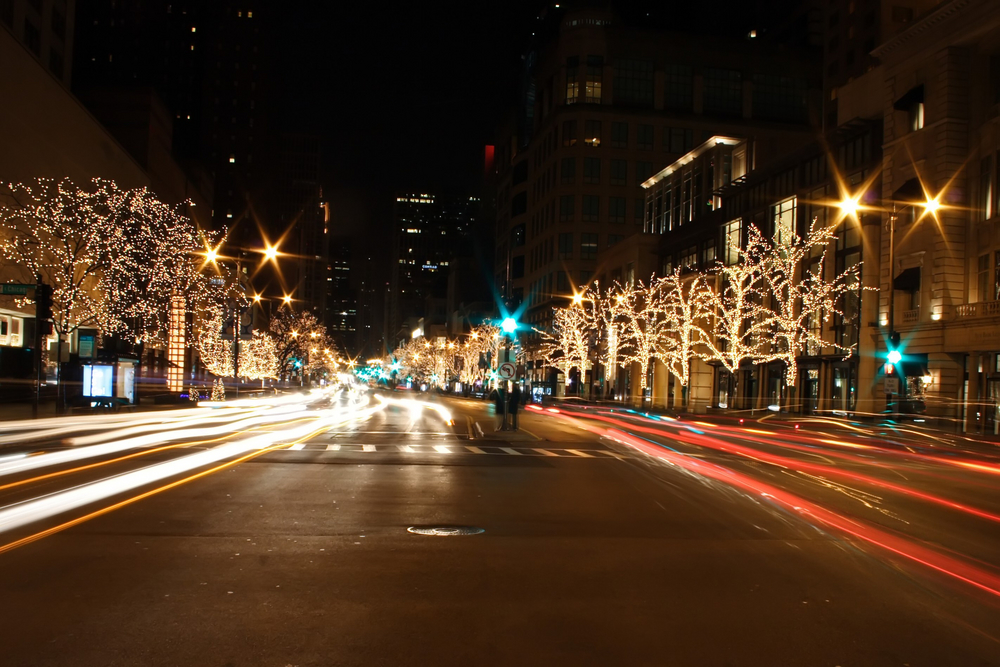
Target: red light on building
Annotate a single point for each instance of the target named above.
(488, 159)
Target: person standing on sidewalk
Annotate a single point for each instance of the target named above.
(497, 396)
(513, 404)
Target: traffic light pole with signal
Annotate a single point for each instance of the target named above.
(43, 328)
(893, 375)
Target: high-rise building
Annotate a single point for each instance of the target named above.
(604, 107)
(45, 27)
(429, 233)
(209, 65)
(341, 294)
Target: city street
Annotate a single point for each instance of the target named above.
(275, 532)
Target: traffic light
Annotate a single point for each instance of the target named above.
(894, 356)
(509, 325)
(43, 307)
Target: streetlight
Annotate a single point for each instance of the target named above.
(850, 206)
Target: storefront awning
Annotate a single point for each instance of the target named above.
(912, 96)
(908, 280)
(910, 191)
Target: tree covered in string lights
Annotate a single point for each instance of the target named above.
(115, 258)
(684, 306)
(61, 232)
(567, 345)
(297, 334)
(259, 357)
(800, 299)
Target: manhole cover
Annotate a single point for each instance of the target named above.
(445, 531)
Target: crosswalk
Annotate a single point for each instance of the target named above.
(453, 449)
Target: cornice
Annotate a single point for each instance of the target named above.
(940, 15)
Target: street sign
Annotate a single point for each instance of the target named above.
(13, 289)
(506, 371)
(892, 385)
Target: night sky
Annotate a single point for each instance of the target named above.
(406, 94)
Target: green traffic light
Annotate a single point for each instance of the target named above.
(894, 357)
(509, 325)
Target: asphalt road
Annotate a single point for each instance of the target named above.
(609, 539)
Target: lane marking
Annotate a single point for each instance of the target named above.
(405, 448)
(475, 450)
(333, 448)
(546, 452)
(368, 448)
(442, 449)
(529, 433)
(299, 446)
(609, 453)
(579, 453)
(511, 451)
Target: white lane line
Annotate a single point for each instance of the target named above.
(405, 448)
(333, 448)
(442, 449)
(579, 453)
(299, 446)
(546, 452)
(511, 451)
(368, 448)
(475, 450)
(609, 453)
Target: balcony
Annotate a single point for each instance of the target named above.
(981, 309)
(911, 316)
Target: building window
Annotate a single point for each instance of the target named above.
(592, 133)
(562, 282)
(689, 257)
(591, 170)
(916, 116)
(784, 221)
(644, 137)
(619, 172)
(983, 278)
(781, 98)
(517, 266)
(59, 23)
(731, 240)
(678, 88)
(619, 135)
(567, 170)
(566, 246)
(591, 208)
(638, 209)
(634, 82)
(572, 80)
(678, 139)
(56, 62)
(723, 91)
(33, 38)
(595, 74)
(996, 276)
(569, 133)
(643, 170)
(566, 206)
(615, 239)
(986, 188)
(588, 246)
(616, 210)
(708, 253)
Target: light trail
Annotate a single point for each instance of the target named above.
(952, 567)
(29, 511)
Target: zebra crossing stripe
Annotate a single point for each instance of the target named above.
(368, 448)
(442, 449)
(474, 450)
(511, 451)
(404, 448)
(333, 448)
(298, 446)
(579, 453)
(546, 452)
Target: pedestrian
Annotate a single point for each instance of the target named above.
(513, 404)
(498, 401)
